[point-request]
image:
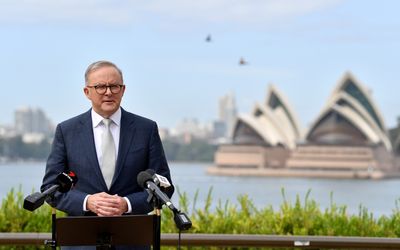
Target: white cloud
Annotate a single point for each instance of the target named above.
(75, 11)
(118, 12)
(241, 11)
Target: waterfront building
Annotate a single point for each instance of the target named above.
(7, 131)
(348, 139)
(29, 120)
(190, 128)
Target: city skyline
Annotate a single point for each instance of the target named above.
(172, 72)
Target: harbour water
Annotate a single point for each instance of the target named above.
(378, 196)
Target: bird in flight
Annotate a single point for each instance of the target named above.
(242, 61)
(208, 38)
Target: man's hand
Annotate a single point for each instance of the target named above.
(104, 204)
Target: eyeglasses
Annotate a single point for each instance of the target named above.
(101, 89)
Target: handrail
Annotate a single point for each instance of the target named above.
(303, 242)
(24, 238)
(237, 240)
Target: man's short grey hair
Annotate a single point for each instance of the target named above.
(100, 64)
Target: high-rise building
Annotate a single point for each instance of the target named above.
(227, 113)
(32, 120)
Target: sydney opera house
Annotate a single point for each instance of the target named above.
(348, 139)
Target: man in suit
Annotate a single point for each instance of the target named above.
(107, 175)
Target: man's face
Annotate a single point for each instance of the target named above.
(106, 104)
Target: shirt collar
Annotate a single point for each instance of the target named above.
(97, 119)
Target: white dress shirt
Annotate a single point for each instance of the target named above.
(98, 130)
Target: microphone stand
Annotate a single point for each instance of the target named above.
(182, 221)
(65, 182)
(157, 222)
(52, 243)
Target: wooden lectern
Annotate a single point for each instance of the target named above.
(103, 232)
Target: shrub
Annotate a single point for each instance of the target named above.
(298, 218)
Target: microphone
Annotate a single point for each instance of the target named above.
(159, 179)
(145, 180)
(150, 180)
(65, 181)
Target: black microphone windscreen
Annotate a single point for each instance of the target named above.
(151, 171)
(33, 201)
(73, 177)
(143, 177)
(66, 181)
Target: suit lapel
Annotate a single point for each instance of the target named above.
(127, 133)
(88, 146)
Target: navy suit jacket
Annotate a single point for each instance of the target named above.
(73, 148)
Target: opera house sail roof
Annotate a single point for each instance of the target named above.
(348, 139)
(350, 117)
(272, 124)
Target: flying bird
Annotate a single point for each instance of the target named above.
(242, 61)
(208, 38)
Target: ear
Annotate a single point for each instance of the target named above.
(86, 91)
(123, 89)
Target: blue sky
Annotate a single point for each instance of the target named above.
(302, 46)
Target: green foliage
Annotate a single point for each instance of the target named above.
(298, 218)
(302, 217)
(196, 150)
(14, 148)
(13, 218)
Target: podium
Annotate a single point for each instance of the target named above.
(103, 232)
